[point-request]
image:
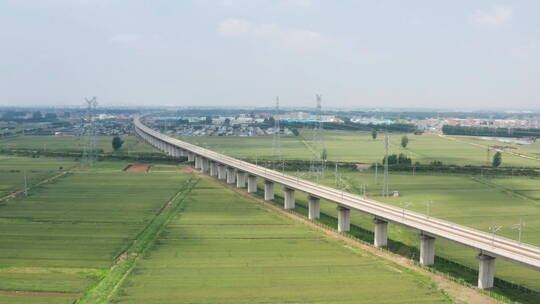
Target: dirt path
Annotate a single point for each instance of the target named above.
(14, 194)
(459, 293)
(139, 167)
(40, 294)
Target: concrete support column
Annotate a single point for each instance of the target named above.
(190, 157)
(486, 271)
(198, 162)
(240, 179)
(252, 183)
(427, 250)
(204, 164)
(222, 173)
(289, 198)
(314, 207)
(183, 153)
(268, 190)
(231, 175)
(381, 233)
(213, 168)
(344, 219)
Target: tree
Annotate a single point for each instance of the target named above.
(295, 132)
(324, 154)
(374, 134)
(117, 143)
(497, 159)
(404, 141)
(227, 121)
(208, 120)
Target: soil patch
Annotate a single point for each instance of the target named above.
(138, 168)
(41, 294)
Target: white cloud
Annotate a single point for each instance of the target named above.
(497, 16)
(234, 27)
(124, 38)
(289, 38)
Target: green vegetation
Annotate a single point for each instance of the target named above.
(497, 159)
(224, 248)
(13, 169)
(471, 201)
(354, 146)
(71, 144)
(488, 131)
(117, 143)
(63, 238)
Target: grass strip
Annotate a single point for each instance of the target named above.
(106, 287)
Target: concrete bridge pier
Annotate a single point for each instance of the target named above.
(183, 153)
(344, 219)
(198, 162)
(289, 198)
(381, 233)
(213, 168)
(176, 152)
(314, 207)
(231, 175)
(486, 271)
(240, 179)
(252, 183)
(190, 156)
(222, 172)
(427, 250)
(268, 190)
(204, 164)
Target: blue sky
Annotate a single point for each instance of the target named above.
(441, 54)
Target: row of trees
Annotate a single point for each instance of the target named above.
(494, 132)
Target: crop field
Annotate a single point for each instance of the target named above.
(473, 202)
(13, 168)
(66, 234)
(532, 149)
(224, 248)
(71, 143)
(357, 146)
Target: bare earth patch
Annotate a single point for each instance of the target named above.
(41, 294)
(138, 167)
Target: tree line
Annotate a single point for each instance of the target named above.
(494, 132)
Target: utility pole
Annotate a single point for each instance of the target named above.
(317, 146)
(376, 174)
(519, 226)
(276, 143)
(25, 184)
(385, 187)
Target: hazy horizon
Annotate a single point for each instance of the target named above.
(414, 54)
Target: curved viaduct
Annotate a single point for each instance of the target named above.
(488, 246)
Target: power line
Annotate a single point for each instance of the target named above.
(88, 133)
(276, 143)
(386, 192)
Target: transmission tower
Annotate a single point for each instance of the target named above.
(317, 144)
(276, 143)
(88, 133)
(385, 186)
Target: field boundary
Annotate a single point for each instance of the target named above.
(46, 180)
(103, 290)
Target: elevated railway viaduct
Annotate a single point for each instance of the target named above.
(241, 173)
